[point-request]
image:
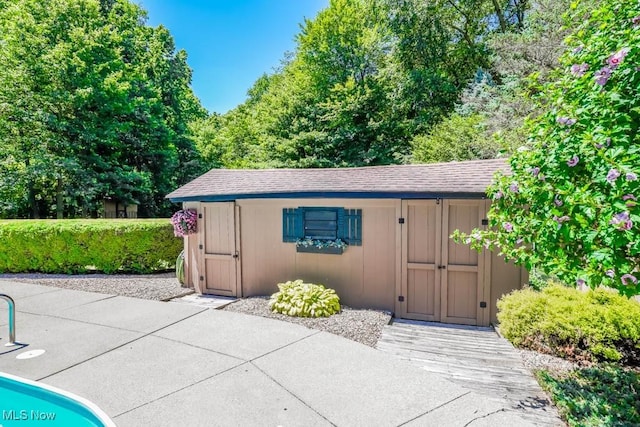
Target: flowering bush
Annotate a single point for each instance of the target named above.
(317, 243)
(184, 222)
(570, 207)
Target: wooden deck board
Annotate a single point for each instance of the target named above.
(472, 357)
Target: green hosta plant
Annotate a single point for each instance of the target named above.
(570, 206)
(304, 300)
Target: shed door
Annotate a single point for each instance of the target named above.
(420, 260)
(442, 281)
(219, 255)
(462, 270)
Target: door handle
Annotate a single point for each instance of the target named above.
(236, 255)
(442, 267)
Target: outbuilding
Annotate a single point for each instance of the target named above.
(378, 235)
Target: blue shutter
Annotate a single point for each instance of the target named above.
(351, 226)
(292, 224)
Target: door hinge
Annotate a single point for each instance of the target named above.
(201, 277)
(400, 220)
(401, 298)
(483, 304)
(200, 247)
(236, 255)
(485, 222)
(200, 215)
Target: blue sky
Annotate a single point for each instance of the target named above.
(231, 43)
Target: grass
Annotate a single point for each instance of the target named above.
(603, 395)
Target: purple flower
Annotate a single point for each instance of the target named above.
(566, 121)
(615, 59)
(606, 144)
(626, 278)
(513, 187)
(636, 20)
(610, 272)
(631, 176)
(580, 282)
(577, 50)
(507, 226)
(602, 76)
(535, 171)
(578, 70)
(561, 219)
(622, 220)
(573, 161)
(613, 175)
(557, 201)
(498, 195)
(630, 199)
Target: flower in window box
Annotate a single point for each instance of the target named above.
(308, 242)
(184, 222)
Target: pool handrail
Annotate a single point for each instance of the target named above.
(12, 319)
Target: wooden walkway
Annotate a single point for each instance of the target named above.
(473, 357)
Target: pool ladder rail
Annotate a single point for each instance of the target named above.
(12, 320)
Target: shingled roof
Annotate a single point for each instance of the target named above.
(434, 180)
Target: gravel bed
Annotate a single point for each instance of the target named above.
(160, 287)
(535, 361)
(363, 326)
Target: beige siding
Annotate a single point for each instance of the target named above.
(363, 276)
(191, 253)
(504, 278)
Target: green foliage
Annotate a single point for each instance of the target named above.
(180, 268)
(365, 78)
(77, 246)
(453, 139)
(600, 396)
(569, 207)
(593, 325)
(93, 104)
(304, 300)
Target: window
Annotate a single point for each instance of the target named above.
(319, 223)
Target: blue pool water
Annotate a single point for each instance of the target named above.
(25, 403)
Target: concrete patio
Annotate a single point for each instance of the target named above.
(153, 363)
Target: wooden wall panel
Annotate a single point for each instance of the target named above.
(266, 259)
(191, 252)
(505, 277)
(363, 276)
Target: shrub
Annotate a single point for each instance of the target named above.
(304, 300)
(77, 246)
(180, 268)
(600, 396)
(595, 325)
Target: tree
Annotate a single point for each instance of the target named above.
(455, 138)
(94, 104)
(570, 205)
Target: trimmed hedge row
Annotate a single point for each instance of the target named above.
(598, 325)
(78, 246)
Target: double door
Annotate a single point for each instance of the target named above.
(442, 281)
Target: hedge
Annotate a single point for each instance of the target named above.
(598, 325)
(78, 246)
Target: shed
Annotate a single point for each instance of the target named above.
(378, 235)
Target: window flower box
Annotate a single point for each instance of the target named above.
(316, 246)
